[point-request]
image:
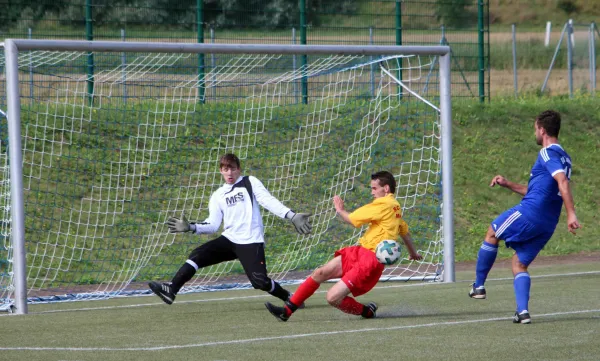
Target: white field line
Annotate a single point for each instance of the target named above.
(285, 337)
(264, 295)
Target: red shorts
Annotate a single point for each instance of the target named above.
(360, 269)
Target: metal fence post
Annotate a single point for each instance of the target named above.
(123, 69)
(213, 65)
(200, 39)
(570, 56)
(294, 66)
(372, 66)
(303, 57)
(480, 48)
(399, 42)
(514, 55)
(30, 69)
(592, 52)
(89, 35)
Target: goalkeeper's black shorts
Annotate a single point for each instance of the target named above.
(221, 249)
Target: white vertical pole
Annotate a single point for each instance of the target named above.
(447, 178)
(16, 176)
(548, 29)
(570, 46)
(572, 32)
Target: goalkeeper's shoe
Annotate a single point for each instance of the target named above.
(522, 317)
(163, 290)
(277, 311)
(370, 310)
(477, 292)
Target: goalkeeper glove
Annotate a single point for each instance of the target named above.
(177, 225)
(300, 222)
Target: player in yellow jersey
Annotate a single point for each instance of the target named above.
(357, 266)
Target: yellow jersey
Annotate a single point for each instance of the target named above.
(384, 216)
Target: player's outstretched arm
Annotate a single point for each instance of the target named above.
(503, 182)
(300, 221)
(208, 226)
(177, 225)
(567, 196)
(338, 203)
(412, 251)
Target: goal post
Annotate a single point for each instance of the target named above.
(102, 172)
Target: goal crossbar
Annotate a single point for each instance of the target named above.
(116, 46)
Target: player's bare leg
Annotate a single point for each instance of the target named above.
(338, 297)
(332, 269)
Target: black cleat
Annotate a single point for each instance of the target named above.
(163, 290)
(370, 310)
(277, 311)
(477, 293)
(522, 317)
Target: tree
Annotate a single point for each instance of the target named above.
(454, 13)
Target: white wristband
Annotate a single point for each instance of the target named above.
(290, 214)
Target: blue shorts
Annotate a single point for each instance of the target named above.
(518, 233)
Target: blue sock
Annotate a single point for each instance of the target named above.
(522, 284)
(485, 260)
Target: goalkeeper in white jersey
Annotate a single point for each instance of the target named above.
(236, 205)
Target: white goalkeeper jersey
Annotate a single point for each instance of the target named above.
(233, 205)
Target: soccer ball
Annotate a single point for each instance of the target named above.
(388, 252)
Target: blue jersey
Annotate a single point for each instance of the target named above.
(542, 203)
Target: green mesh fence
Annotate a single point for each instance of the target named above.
(461, 23)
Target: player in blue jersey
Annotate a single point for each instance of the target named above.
(527, 227)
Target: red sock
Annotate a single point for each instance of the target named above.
(306, 289)
(351, 306)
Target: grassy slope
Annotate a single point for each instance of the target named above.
(488, 139)
(497, 138)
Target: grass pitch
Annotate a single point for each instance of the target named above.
(415, 322)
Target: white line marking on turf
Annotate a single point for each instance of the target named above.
(274, 338)
(236, 298)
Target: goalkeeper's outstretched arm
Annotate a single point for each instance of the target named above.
(267, 200)
(208, 226)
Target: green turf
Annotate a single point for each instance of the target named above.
(417, 322)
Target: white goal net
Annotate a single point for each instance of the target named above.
(116, 142)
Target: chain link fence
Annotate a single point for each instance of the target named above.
(559, 61)
(461, 23)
